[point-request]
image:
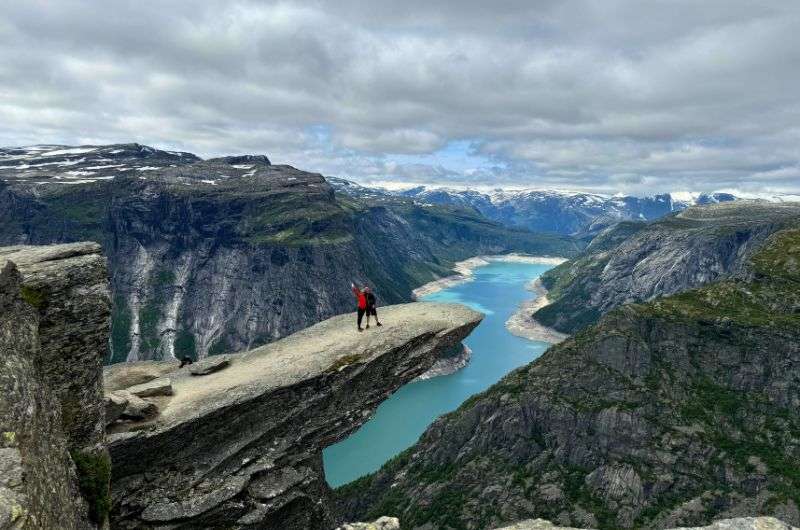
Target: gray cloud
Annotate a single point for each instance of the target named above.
(613, 95)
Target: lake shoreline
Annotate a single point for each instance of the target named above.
(522, 323)
(464, 270)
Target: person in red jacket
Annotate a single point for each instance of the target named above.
(362, 304)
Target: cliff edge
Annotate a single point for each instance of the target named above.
(241, 446)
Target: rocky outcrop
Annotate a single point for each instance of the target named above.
(383, 523)
(637, 262)
(241, 447)
(223, 255)
(54, 470)
(449, 362)
(744, 523)
(67, 285)
(676, 412)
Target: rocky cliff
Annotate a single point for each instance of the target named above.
(674, 412)
(230, 253)
(637, 262)
(236, 440)
(54, 308)
(742, 523)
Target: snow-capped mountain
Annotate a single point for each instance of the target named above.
(545, 210)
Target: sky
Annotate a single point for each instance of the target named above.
(600, 95)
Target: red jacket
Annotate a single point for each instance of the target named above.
(362, 299)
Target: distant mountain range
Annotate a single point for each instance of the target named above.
(557, 212)
(546, 210)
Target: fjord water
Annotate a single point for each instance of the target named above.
(497, 291)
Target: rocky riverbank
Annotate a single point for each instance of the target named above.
(522, 323)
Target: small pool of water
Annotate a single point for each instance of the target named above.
(497, 291)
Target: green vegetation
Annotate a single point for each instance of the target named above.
(94, 477)
(37, 297)
(120, 329)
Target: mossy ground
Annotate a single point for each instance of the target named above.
(94, 478)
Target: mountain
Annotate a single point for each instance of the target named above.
(637, 262)
(673, 412)
(209, 256)
(562, 212)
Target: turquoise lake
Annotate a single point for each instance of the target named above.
(496, 291)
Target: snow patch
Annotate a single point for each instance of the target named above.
(73, 151)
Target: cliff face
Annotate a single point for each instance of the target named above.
(54, 308)
(241, 447)
(637, 262)
(226, 254)
(742, 523)
(674, 412)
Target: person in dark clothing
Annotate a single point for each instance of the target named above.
(371, 311)
(362, 305)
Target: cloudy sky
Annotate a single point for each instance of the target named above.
(604, 95)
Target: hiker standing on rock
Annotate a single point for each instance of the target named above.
(362, 304)
(370, 296)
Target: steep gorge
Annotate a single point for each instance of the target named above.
(638, 262)
(673, 412)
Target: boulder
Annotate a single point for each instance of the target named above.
(136, 408)
(209, 365)
(157, 387)
(115, 406)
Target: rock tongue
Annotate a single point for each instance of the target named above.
(281, 403)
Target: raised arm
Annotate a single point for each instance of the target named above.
(356, 290)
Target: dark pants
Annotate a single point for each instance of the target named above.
(361, 315)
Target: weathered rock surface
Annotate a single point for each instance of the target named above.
(115, 405)
(157, 387)
(210, 365)
(67, 289)
(382, 523)
(672, 413)
(637, 262)
(449, 362)
(135, 408)
(743, 523)
(38, 484)
(241, 447)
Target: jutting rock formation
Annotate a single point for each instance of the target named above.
(240, 447)
(54, 311)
